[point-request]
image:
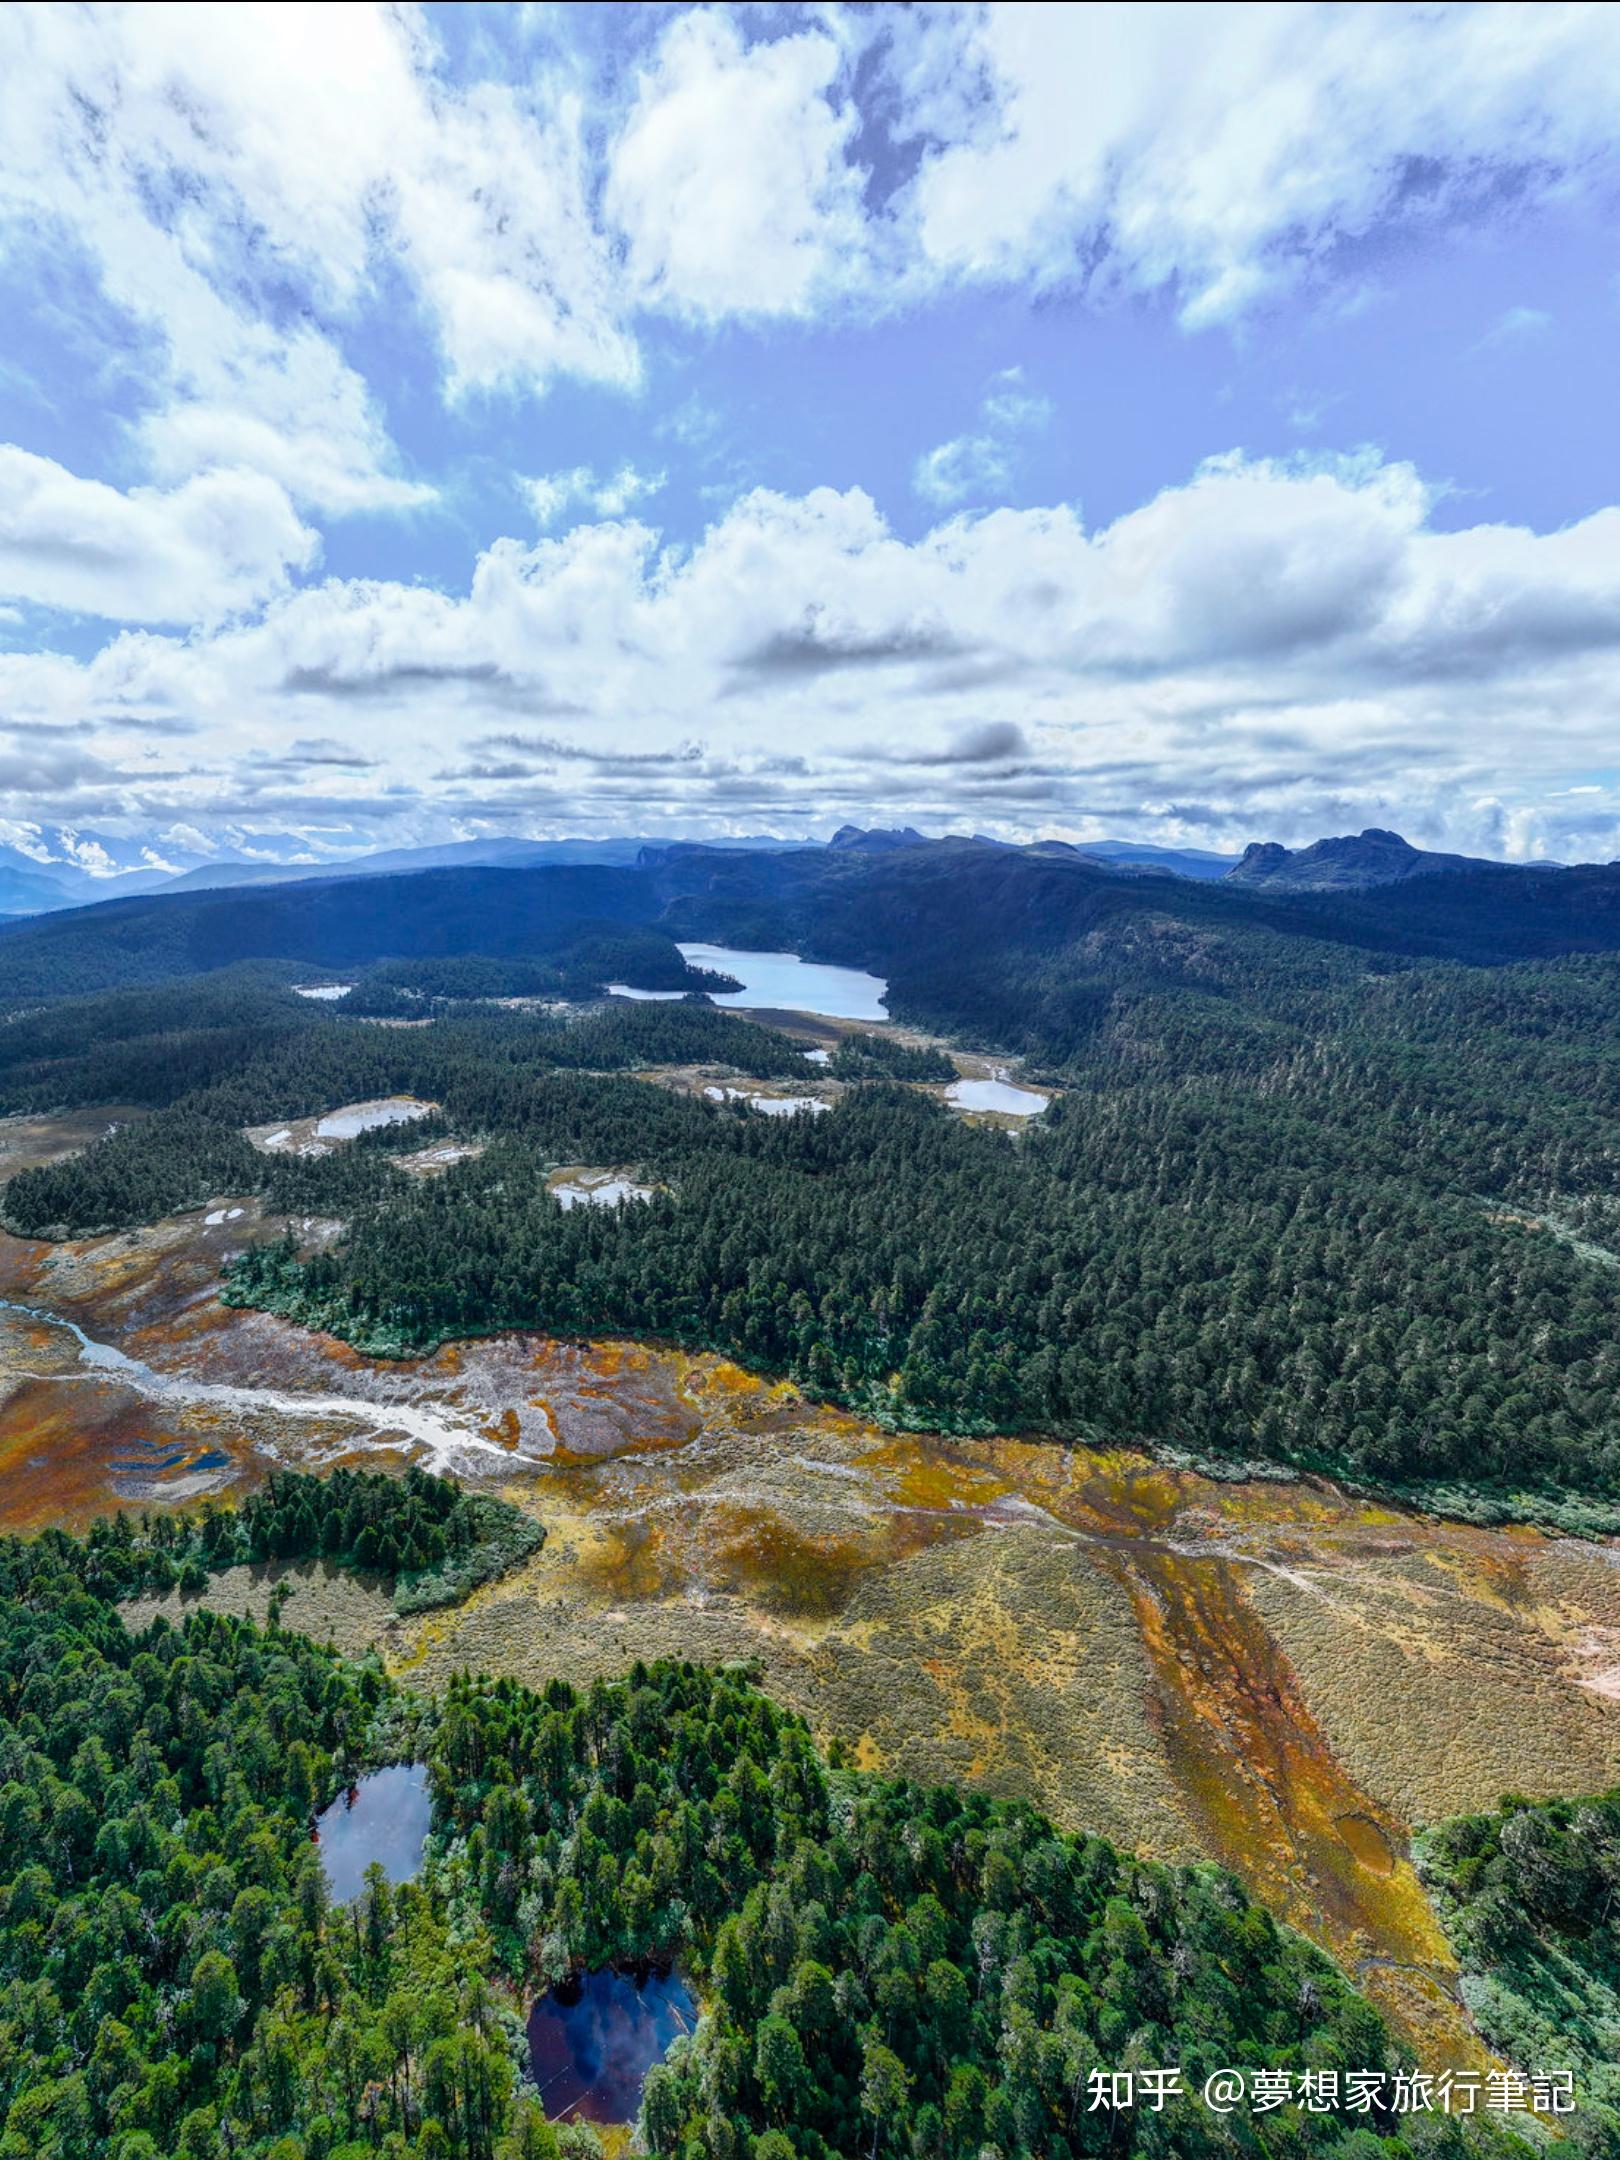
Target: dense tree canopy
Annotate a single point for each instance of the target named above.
(431, 1540)
(936, 1971)
(1530, 1894)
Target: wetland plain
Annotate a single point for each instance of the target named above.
(1274, 1674)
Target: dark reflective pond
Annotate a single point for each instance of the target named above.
(384, 1819)
(593, 2040)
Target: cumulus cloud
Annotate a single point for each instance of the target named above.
(241, 186)
(238, 213)
(733, 180)
(976, 466)
(1266, 646)
(217, 544)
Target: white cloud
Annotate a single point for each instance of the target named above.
(1264, 649)
(1519, 326)
(492, 207)
(732, 178)
(609, 495)
(247, 185)
(968, 468)
(1219, 150)
(974, 467)
(246, 193)
(221, 542)
(189, 838)
(236, 179)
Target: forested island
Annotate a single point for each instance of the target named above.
(430, 1540)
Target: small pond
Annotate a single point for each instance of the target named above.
(384, 1818)
(593, 1189)
(593, 2039)
(771, 1105)
(997, 1095)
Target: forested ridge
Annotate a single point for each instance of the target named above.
(247, 1052)
(1298, 1198)
(342, 923)
(920, 1971)
(935, 919)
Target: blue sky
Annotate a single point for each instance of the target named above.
(1188, 423)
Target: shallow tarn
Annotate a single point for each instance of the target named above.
(593, 2039)
(770, 1105)
(574, 1187)
(997, 1095)
(385, 1818)
(318, 1134)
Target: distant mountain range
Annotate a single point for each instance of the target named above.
(931, 916)
(50, 867)
(56, 866)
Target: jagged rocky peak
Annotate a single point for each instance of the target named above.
(875, 841)
(1373, 857)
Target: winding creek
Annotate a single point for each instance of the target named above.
(443, 1441)
(1279, 1676)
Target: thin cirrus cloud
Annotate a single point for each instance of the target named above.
(308, 267)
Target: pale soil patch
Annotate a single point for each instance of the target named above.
(441, 1156)
(1596, 1656)
(329, 1129)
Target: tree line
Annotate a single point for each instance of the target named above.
(432, 1541)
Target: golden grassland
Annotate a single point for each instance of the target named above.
(1275, 1675)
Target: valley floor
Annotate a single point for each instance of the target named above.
(1274, 1675)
